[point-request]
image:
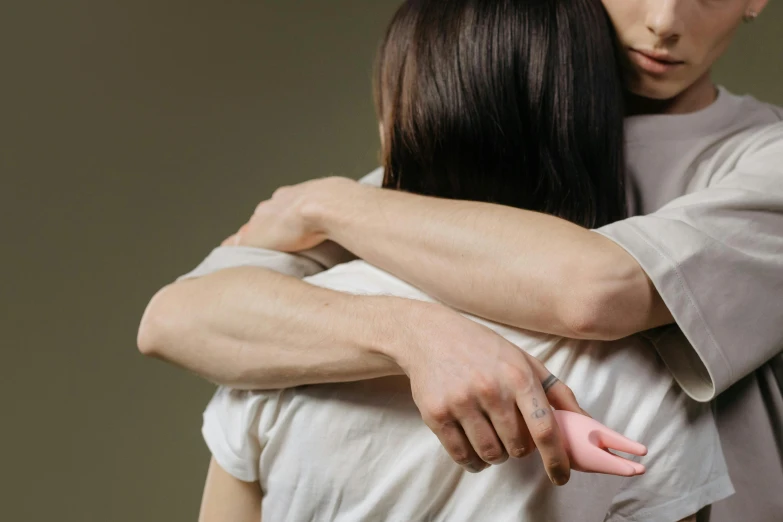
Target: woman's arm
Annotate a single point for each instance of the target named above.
(228, 499)
(513, 266)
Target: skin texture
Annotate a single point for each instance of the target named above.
(227, 499)
(517, 267)
(694, 32)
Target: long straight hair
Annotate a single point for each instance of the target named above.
(515, 102)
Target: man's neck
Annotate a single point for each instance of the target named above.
(698, 96)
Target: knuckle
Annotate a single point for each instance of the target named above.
(461, 457)
(518, 446)
(489, 391)
(545, 434)
(484, 385)
(490, 450)
(461, 400)
(519, 451)
(439, 414)
(524, 380)
(493, 454)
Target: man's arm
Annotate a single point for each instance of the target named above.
(249, 327)
(516, 267)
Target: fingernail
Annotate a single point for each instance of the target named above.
(473, 469)
(559, 480)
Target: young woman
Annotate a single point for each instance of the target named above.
(505, 102)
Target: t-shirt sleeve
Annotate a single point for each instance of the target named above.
(716, 258)
(686, 470)
(374, 178)
(235, 256)
(235, 427)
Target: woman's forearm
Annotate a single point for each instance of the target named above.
(227, 498)
(252, 328)
(516, 267)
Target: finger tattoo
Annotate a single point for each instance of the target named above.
(539, 413)
(549, 382)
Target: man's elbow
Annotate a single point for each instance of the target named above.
(586, 318)
(609, 303)
(155, 323)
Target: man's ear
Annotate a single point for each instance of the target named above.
(756, 6)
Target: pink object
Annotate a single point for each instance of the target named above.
(588, 441)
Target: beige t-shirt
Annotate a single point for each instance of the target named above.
(710, 188)
(360, 451)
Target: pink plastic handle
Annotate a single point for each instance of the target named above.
(588, 441)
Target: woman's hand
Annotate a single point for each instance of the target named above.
(481, 395)
(286, 222)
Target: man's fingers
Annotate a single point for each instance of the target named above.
(511, 429)
(482, 437)
(457, 445)
(546, 435)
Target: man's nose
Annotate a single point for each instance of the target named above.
(665, 19)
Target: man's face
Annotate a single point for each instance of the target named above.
(669, 45)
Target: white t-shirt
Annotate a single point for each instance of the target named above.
(360, 451)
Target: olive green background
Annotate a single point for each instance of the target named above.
(134, 136)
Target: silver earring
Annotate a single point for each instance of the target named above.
(750, 16)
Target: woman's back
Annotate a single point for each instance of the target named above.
(360, 451)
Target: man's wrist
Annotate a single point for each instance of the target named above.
(391, 327)
(334, 203)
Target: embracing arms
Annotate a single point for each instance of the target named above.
(250, 327)
(253, 328)
(516, 267)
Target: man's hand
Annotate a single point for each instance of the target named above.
(481, 395)
(284, 222)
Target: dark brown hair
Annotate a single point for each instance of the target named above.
(515, 102)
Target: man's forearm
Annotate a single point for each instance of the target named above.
(516, 267)
(252, 328)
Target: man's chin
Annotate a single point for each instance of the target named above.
(657, 91)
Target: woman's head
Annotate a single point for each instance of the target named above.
(516, 102)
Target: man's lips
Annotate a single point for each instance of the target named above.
(654, 62)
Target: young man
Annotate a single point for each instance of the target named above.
(702, 269)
